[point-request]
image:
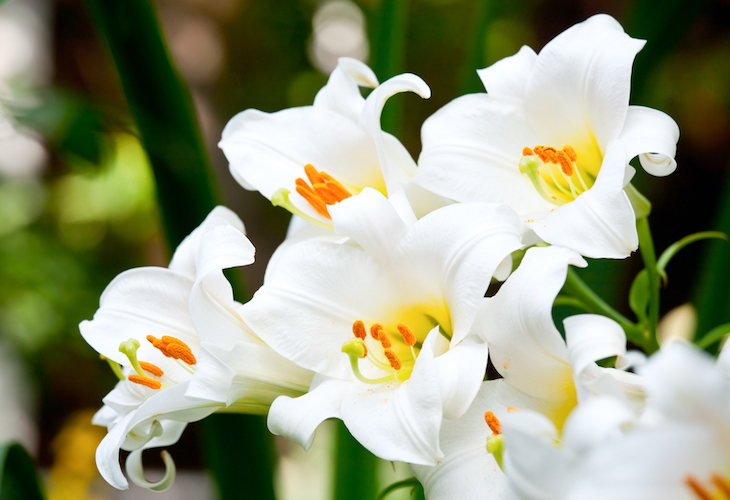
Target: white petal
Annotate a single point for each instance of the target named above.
(297, 418)
(596, 420)
(399, 421)
(247, 375)
(371, 221)
(461, 370)
(453, 253)
(600, 223)
(536, 468)
(342, 92)
(508, 77)
(581, 82)
(140, 302)
(653, 136)
(389, 153)
(135, 471)
(107, 454)
(310, 299)
(471, 152)
(592, 337)
(269, 151)
(524, 345)
(185, 259)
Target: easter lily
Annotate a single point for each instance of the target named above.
(183, 350)
(541, 372)
(552, 138)
(308, 158)
(384, 321)
(678, 449)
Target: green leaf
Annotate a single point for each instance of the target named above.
(710, 296)
(388, 23)
(162, 109)
(18, 477)
(639, 295)
(237, 452)
(674, 248)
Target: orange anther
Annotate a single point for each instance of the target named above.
(325, 193)
(407, 334)
(146, 381)
(697, 488)
(312, 174)
(540, 152)
(384, 340)
(722, 484)
(512, 408)
(565, 164)
(393, 359)
(571, 153)
(337, 188)
(375, 330)
(174, 340)
(158, 344)
(526, 152)
(317, 204)
(492, 422)
(150, 368)
(181, 352)
(550, 155)
(358, 328)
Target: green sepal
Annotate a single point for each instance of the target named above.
(18, 477)
(674, 248)
(639, 295)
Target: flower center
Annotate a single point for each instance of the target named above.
(378, 349)
(171, 347)
(324, 190)
(556, 174)
(720, 489)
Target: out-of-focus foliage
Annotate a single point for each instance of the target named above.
(18, 477)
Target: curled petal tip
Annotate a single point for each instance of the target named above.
(135, 470)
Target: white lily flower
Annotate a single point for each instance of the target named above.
(184, 351)
(679, 449)
(541, 372)
(308, 158)
(552, 138)
(402, 301)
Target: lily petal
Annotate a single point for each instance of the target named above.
(371, 221)
(653, 136)
(400, 421)
(582, 78)
(508, 77)
(524, 344)
(342, 93)
(298, 418)
(600, 223)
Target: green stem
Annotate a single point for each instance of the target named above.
(646, 247)
(562, 300)
(405, 483)
(577, 288)
(714, 335)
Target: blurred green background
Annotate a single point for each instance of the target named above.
(78, 197)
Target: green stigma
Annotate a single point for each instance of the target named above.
(129, 349)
